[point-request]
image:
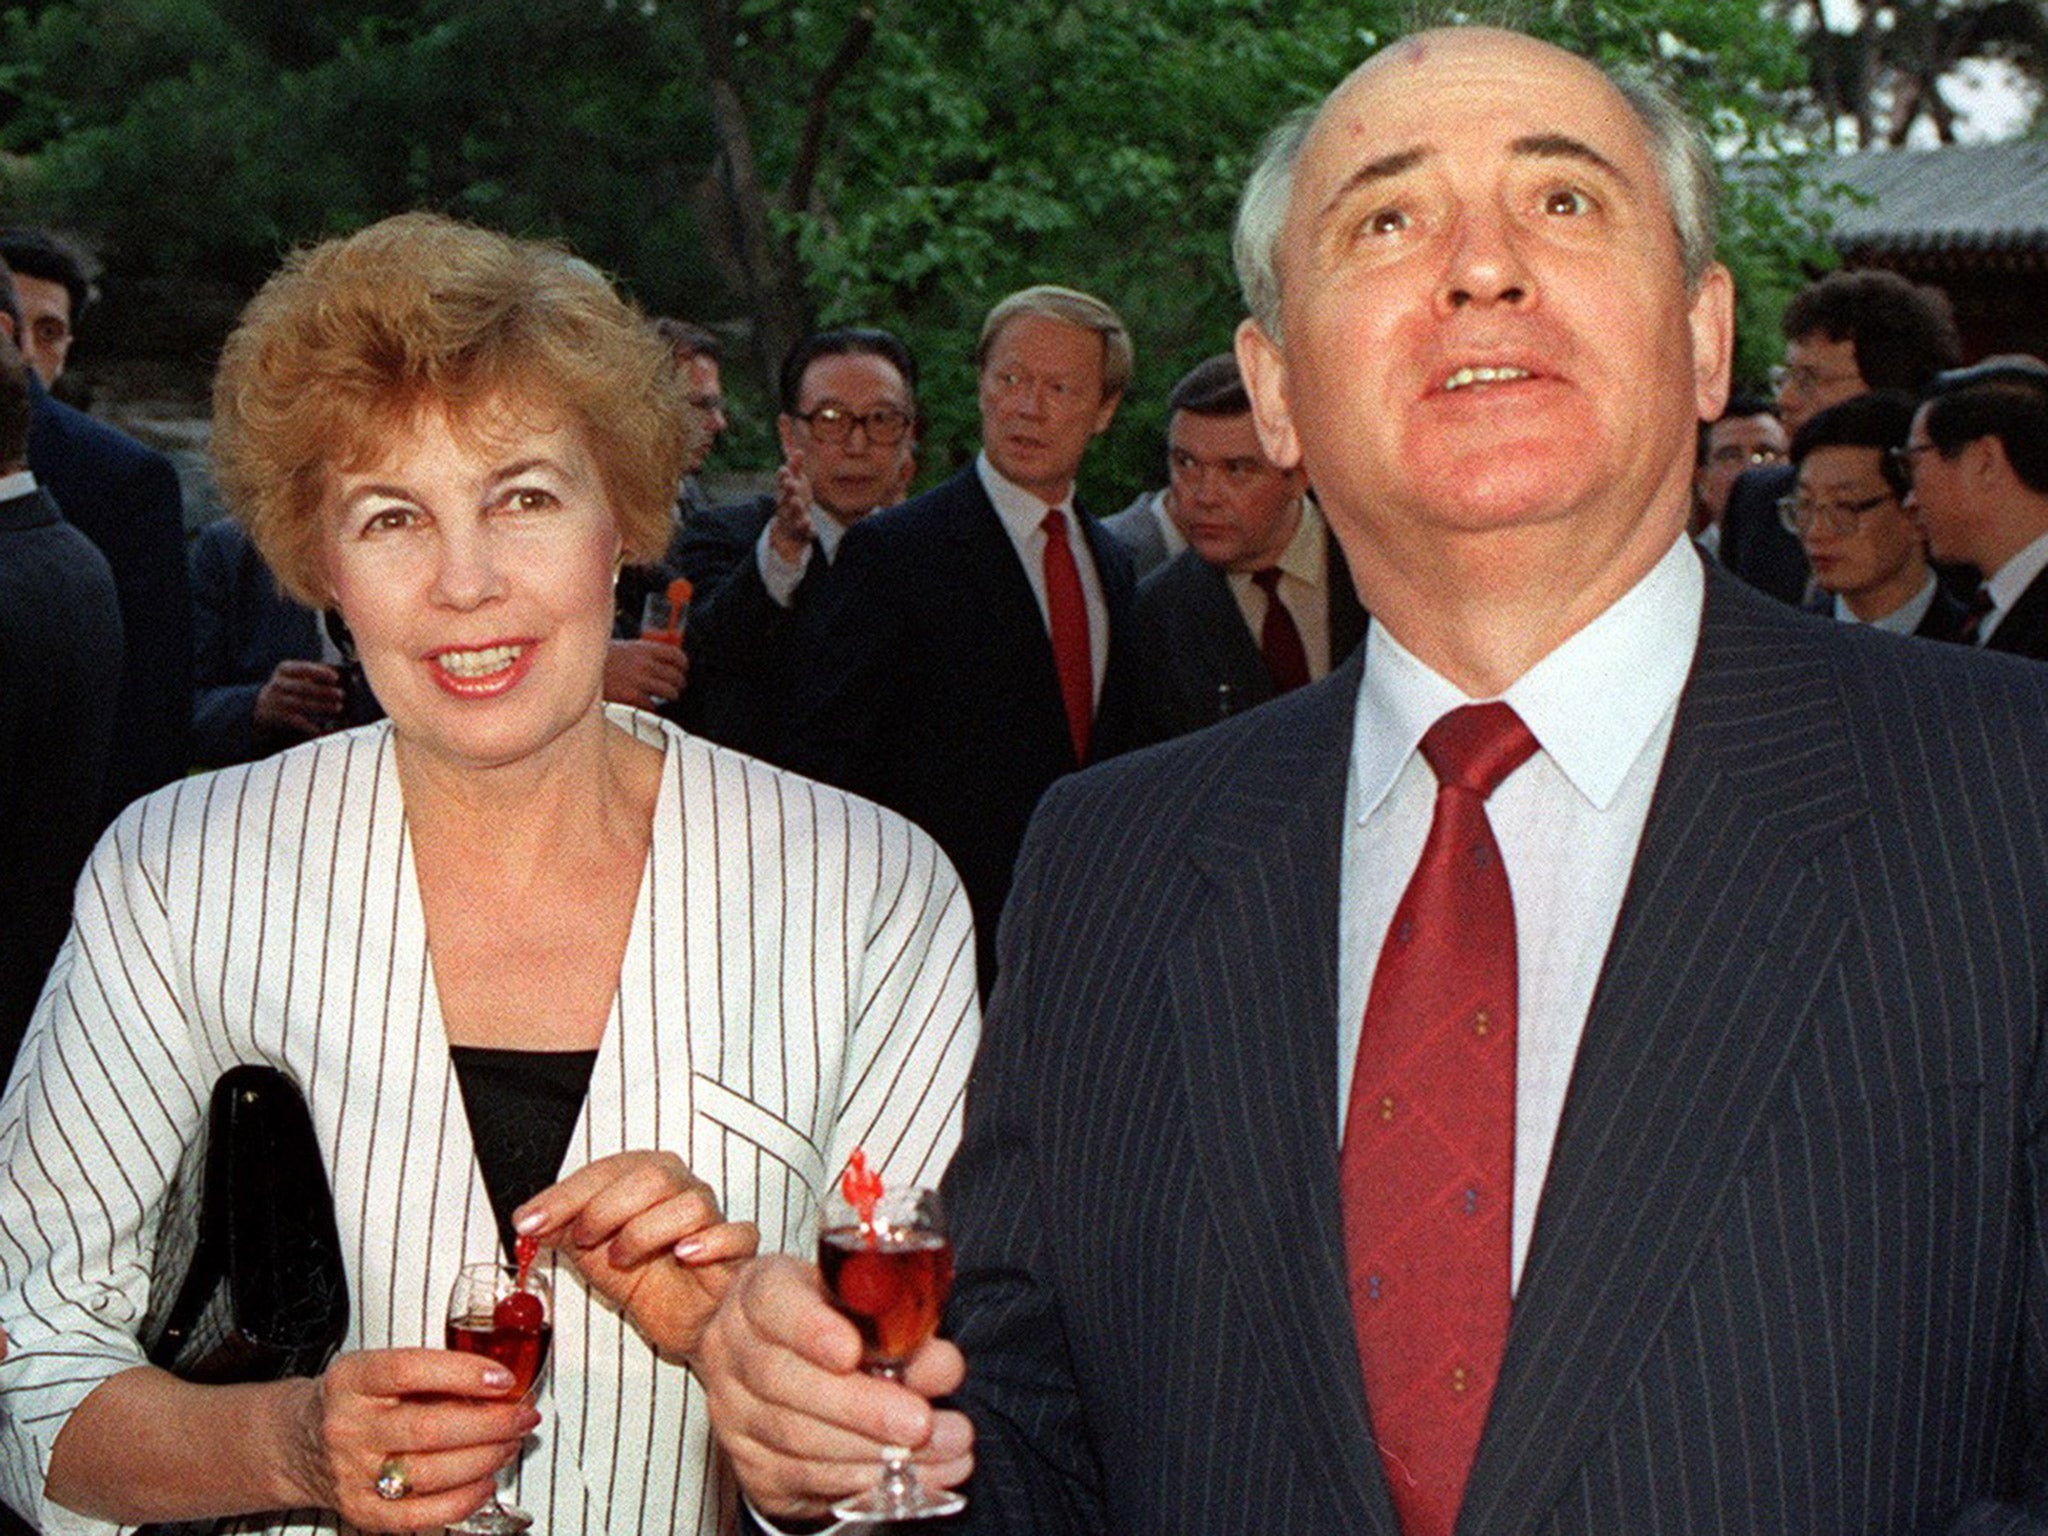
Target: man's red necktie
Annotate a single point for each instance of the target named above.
(1429, 1137)
(1279, 638)
(1067, 613)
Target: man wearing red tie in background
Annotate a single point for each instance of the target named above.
(1579, 1070)
(966, 648)
(1261, 601)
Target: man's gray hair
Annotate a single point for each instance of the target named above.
(1692, 191)
(1072, 307)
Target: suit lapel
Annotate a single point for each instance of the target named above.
(2023, 631)
(994, 594)
(1259, 1053)
(1722, 943)
(1220, 646)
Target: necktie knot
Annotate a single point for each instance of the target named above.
(1478, 746)
(1055, 525)
(1267, 579)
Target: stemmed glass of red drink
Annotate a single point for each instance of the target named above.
(888, 1266)
(505, 1311)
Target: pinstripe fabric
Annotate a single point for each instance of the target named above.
(799, 980)
(1789, 1270)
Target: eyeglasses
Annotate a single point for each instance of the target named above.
(1905, 459)
(1804, 379)
(835, 423)
(1798, 514)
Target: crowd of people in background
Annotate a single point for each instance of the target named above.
(916, 671)
(952, 656)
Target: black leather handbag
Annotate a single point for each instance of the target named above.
(263, 1294)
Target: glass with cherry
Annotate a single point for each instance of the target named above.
(888, 1266)
(506, 1312)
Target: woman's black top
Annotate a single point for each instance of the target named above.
(522, 1108)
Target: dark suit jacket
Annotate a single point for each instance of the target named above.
(1790, 1271)
(60, 669)
(2023, 629)
(924, 679)
(738, 636)
(1192, 643)
(242, 627)
(124, 497)
(1754, 544)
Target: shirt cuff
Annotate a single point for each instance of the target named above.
(778, 575)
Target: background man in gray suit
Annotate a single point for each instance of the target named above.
(1773, 1226)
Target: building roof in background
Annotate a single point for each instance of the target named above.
(1977, 205)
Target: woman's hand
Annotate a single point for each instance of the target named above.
(647, 1233)
(435, 1425)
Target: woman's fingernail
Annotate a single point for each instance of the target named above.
(497, 1377)
(689, 1248)
(531, 1222)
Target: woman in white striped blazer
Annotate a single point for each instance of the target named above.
(508, 932)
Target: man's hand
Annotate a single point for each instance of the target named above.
(645, 1232)
(302, 698)
(800, 1423)
(644, 673)
(790, 532)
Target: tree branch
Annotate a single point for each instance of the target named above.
(803, 174)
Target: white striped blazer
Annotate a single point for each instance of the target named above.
(799, 980)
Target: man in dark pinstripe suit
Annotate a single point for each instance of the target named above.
(1781, 1109)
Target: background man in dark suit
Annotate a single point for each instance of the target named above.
(967, 648)
(124, 497)
(60, 662)
(1747, 436)
(849, 441)
(1769, 1235)
(1845, 335)
(1261, 601)
(1979, 458)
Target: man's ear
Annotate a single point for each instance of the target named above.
(1712, 319)
(1264, 367)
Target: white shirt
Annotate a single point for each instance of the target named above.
(781, 577)
(1568, 822)
(1022, 513)
(1304, 567)
(1902, 620)
(2010, 581)
(20, 483)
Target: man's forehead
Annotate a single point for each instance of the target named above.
(1385, 111)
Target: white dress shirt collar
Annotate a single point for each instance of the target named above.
(1592, 703)
(20, 483)
(1021, 510)
(1902, 620)
(829, 530)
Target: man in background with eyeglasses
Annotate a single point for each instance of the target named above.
(1747, 435)
(1845, 335)
(969, 647)
(1978, 461)
(1848, 513)
(849, 442)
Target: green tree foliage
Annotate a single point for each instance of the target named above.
(774, 164)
